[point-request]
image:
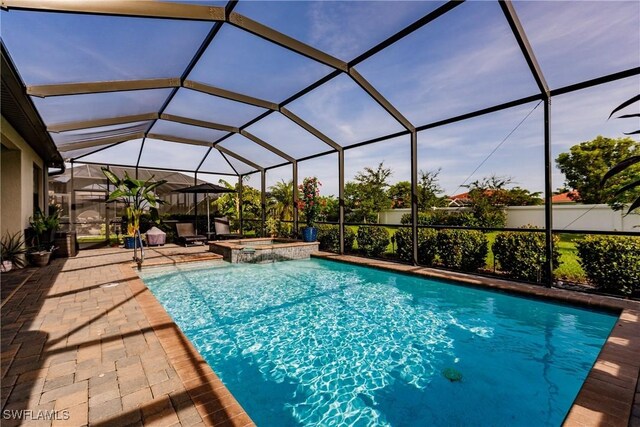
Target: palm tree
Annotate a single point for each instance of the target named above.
(136, 194)
(629, 162)
(282, 198)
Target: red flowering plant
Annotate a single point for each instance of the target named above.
(309, 202)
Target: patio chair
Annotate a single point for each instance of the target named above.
(187, 235)
(222, 229)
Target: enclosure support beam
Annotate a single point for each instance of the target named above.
(414, 195)
(195, 203)
(548, 194)
(239, 205)
(43, 91)
(72, 210)
(527, 51)
(295, 197)
(341, 198)
(269, 147)
(227, 94)
(123, 8)
(285, 41)
(263, 200)
(64, 127)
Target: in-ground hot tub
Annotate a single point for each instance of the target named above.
(265, 249)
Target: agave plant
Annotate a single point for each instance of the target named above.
(626, 163)
(136, 194)
(12, 249)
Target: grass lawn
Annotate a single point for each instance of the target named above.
(92, 239)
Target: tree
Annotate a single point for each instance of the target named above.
(281, 200)
(366, 195)
(228, 204)
(329, 209)
(400, 195)
(429, 190)
(586, 163)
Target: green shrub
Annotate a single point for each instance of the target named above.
(611, 263)
(329, 238)
(462, 249)
(426, 245)
(373, 241)
(522, 255)
(441, 217)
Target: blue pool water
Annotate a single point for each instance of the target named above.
(323, 343)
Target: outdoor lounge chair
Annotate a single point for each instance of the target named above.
(222, 229)
(187, 235)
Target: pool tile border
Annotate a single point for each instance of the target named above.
(607, 394)
(213, 401)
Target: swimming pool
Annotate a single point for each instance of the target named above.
(316, 342)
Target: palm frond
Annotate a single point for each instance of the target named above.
(627, 187)
(624, 104)
(619, 168)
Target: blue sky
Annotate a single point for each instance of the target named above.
(463, 61)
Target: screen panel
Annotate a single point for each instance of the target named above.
(343, 29)
(465, 60)
(125, 153)
(344, 112)
(251, 151)
(576, 41)
(165, 127)
(89, 134)
(53, 48)
(244, 63)
(215, 162)
(92, 106)
(287, 136)
(171, 155)
(201, 106)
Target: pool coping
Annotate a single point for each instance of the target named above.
(606, 397)
(284, 243)
(215, 404)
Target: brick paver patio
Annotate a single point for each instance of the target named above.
(102, 355)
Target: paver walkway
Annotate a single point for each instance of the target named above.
(84, 342)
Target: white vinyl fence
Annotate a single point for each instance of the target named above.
(568, 217)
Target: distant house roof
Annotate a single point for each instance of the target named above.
(566, 197)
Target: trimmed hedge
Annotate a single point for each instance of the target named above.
(521, 255)
(426, 245)
(440, 217)
(329, 238)
(373, 241)
(465, 250)
(611, 263)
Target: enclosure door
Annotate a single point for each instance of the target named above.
(91, 220)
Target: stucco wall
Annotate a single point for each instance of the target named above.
(569, 216)
(17, 180)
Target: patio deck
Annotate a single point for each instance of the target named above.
(105, 355)
(113, 356)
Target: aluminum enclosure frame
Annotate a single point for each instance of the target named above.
(226, 16)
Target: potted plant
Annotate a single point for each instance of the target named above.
(43, 228)
(137, 195)
(12, 251)
(309, 204)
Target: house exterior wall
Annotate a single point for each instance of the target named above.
(17, 162)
